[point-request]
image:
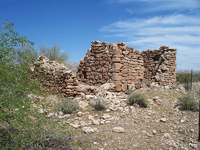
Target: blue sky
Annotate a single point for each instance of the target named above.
(142, 24)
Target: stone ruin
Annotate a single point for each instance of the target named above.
(160, 65)
(124, 66)
(58, 77)
(113, 63)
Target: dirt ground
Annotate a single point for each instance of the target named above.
(160, 126)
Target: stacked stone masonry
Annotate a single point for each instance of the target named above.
(113, 63)
(160, 65)
(58, 77)
(124, 66)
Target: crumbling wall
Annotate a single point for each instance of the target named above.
(113, 63)
(160, 65)
(57, 77)
(123, 66)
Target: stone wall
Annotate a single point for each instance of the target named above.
(113, 63)
(160, 65)
(57, 77)
(124, 66)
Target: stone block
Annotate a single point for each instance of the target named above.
(124, 86)
(117, 66)
(117, 77)
(116, 60)
(69, 80)
(118, 88)
(125, 52)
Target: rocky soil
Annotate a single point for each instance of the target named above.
(162, 125)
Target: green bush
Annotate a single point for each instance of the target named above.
(147, 82)
(15, 85)
(138, 99)
(100, 104)
(128, 91)
(188, 103)
(54, 53)
(68, 106)
(21, 126)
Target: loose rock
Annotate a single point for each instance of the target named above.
(163, 119)
(167, 135)
(88, 129)
(118, 129)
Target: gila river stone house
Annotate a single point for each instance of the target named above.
(113, 63)
(123, 65)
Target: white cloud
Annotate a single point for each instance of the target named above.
(172, 20)
(188, 57)
(129, 10)
(125, 1)
(160, 5)
(177, 31)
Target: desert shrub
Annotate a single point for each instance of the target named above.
(128, 91)
(100, 104)
(147, 82)
(68, 106)
(138, 99)
(54, 53)
(56, 142)
(188, 103)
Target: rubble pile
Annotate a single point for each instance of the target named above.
(111, 63)
(160, 65)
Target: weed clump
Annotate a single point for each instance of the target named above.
(68, 106)
(147, 82)
(188, 103)
(139, 99)
(100, 104)
(128, 91)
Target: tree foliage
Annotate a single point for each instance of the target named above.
(9, 40)
(54, 53)
(186, 78)
(16, 125)
(25, 54)
(21, 126)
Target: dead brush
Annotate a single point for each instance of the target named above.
(139, 99)
(188, 103)
(100, 104)
(68, 106)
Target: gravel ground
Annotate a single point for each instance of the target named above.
(160, 126)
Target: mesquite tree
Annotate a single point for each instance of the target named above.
(16, 56)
